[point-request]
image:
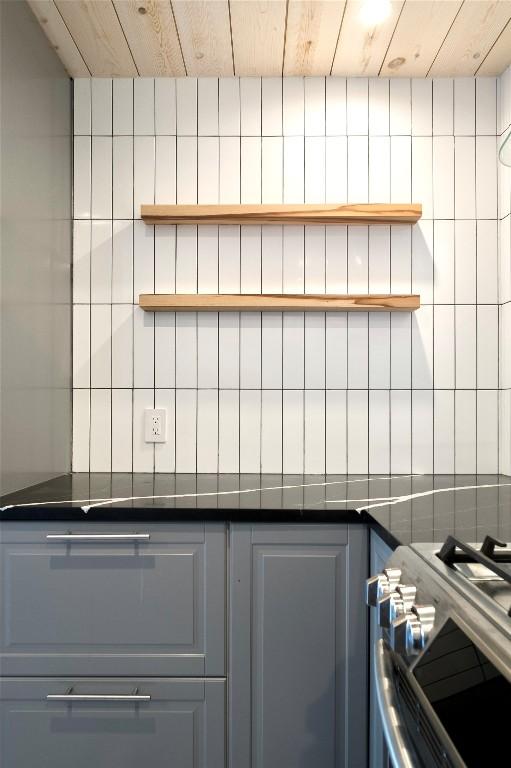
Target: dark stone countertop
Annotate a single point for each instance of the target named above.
(403, 508)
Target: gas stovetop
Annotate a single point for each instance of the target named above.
(482, 572)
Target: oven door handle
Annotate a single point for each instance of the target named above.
(398, 744)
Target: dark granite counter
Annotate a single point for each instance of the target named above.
(403, 508)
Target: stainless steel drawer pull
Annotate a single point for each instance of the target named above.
(70, 696)
(98, 536)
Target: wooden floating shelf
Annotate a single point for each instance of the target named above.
(172, 302)
(374, 213)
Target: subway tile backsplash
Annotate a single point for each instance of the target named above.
(292, 392)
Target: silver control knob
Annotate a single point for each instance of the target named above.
(395, 604)
(408, 593)
(374, 588)
(426, 617)
(405, 635)
(409, 632)
(413, 635)
(389, 608)
(382, 584)
(393, 575)
(397, 634)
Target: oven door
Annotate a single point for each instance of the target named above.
(413, 735)
(450, 708)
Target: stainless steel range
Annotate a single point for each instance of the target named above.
(443, 663)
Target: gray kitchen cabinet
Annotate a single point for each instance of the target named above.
(378, 756)
(126, 600)
(182, 725)
(298, 646)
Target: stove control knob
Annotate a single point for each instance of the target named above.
(375, 587)
(380, 585)
(408, 593)
(413, 635)
(390, 607)
(397, 634)
(395, 603)
(393, 575)
(410, 631)
(426, 617)
(404, 635)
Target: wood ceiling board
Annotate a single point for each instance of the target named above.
(152, 36)
(258, 30)
(51, 21)
(171, 302)
(499, 57)
(475, 29)
(361, 49)
(419, 34)
(109, 38)
(374, 213)
(205, 35)
(97, 32)
(312, 32)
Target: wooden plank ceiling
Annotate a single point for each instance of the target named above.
(221, 38)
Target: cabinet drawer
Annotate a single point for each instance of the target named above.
(172, 723)
(112, 599)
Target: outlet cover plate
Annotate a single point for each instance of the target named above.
(155, 425)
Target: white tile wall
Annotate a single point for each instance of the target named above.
(504, 239)
(292, 392)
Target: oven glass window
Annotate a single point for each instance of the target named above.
(471, 698)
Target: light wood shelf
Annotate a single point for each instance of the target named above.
(374, 213)
(172, 302)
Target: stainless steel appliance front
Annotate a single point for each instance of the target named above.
(442, 667)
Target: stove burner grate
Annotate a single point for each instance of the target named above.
(454, 551)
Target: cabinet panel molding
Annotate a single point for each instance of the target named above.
(298, 644)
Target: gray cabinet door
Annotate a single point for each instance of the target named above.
(112, 606)
(378, 756)
(181, 726)
(298, 644)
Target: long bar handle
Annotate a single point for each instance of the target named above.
(70, 696)
(98, 536)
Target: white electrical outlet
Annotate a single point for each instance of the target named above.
(155, 425)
